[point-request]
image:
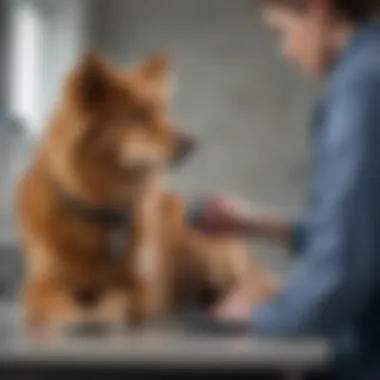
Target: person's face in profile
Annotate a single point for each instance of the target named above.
(303, 34)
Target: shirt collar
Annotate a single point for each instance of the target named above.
(364, 32)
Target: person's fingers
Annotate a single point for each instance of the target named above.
(227, 303)
(221, 311)
(221, 306)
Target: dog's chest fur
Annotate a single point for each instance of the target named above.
(88, 253)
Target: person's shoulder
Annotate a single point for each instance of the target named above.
(353, 98)
(360, 71)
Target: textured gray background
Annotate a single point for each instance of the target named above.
(248, 107)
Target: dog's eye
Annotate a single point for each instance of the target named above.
(139, 114)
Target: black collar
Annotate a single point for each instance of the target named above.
(118, 222)
(106, 215)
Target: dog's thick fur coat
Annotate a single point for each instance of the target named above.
(109, 145)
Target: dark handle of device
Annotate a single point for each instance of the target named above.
(196, 212)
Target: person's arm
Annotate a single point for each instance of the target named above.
(278, 229)
(220, 215)
(297, 235)
(338, 269)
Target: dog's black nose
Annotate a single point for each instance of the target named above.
(185, 145)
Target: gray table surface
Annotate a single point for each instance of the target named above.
(169, 348)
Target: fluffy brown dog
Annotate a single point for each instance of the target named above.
(104, 238)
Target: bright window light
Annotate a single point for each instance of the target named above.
(26, 55)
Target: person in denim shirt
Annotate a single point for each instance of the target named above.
(333, 289)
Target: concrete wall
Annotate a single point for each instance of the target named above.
(248, 107)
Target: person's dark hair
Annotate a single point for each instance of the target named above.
(352, 10)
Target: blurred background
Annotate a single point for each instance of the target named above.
(248, 107)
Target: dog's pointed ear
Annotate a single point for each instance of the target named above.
(90, 81)
(156, 67)
(157, 70)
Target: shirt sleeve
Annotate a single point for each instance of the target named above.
(337, 269)
(298, 235)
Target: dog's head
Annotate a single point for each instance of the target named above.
(115, 123)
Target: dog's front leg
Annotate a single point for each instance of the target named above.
(149, 298)
(48, 302)
(49, 306)
(113, 307)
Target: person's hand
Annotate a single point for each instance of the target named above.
(227, 215)
(236, 307)
(223, 215)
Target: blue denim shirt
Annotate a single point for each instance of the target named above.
(334, 287)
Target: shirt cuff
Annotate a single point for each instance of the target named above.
(269, 320)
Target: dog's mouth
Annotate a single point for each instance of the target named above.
(137, 172)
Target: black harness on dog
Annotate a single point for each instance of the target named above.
(118, 222)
